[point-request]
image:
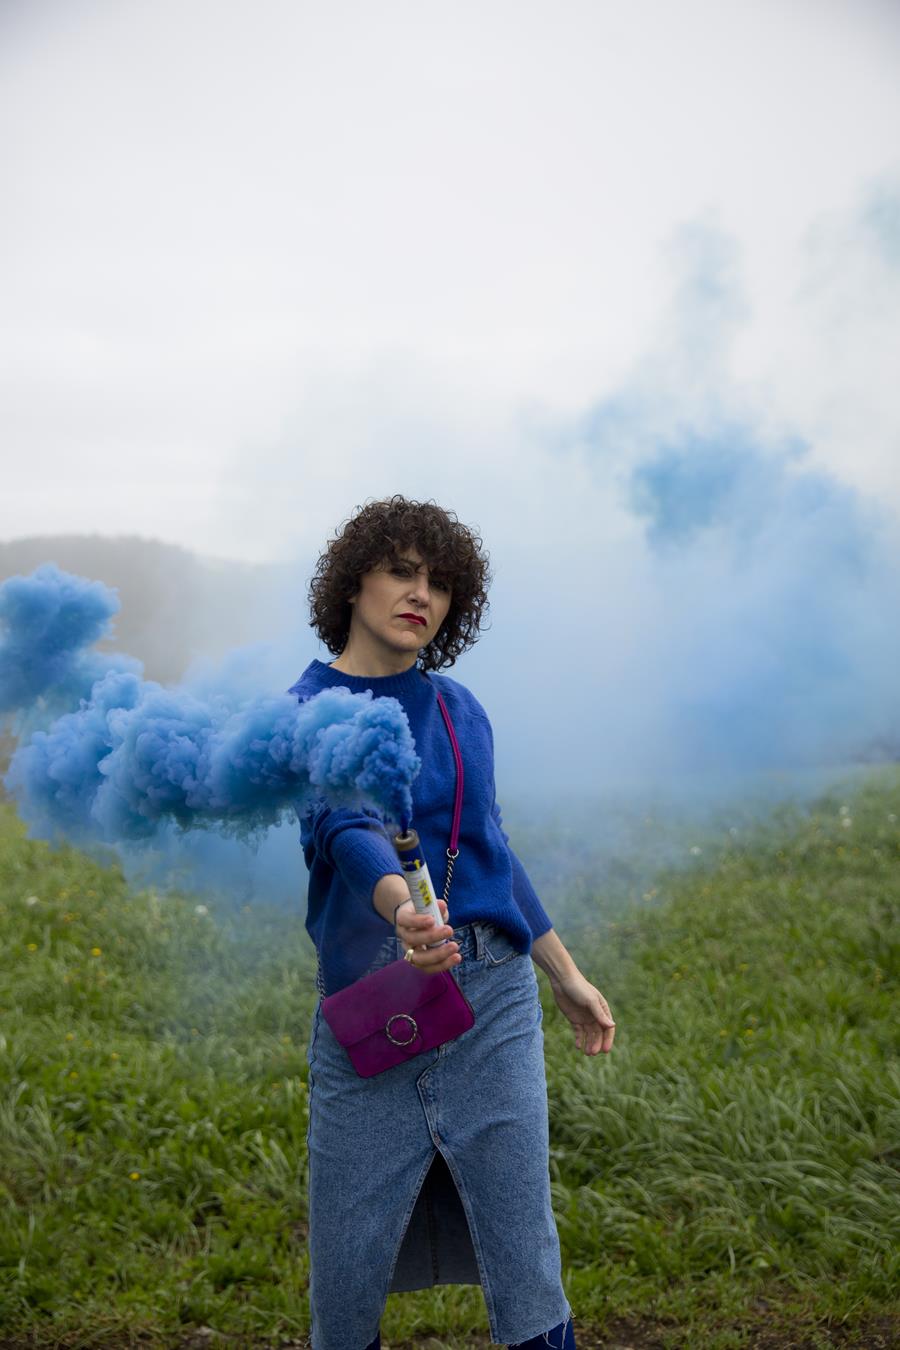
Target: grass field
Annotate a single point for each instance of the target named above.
(727, 1177)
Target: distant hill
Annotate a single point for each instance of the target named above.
(176, 606)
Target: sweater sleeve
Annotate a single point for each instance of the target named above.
(355, 844)
(524, 894)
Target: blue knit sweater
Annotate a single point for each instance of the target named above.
(348, 851)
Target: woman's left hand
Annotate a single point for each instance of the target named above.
(587, 1010)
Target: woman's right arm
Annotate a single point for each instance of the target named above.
(390, 892)
(356, 845)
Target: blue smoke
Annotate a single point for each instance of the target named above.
(782, 578)
(51, 621)
(722, 605)
(135, 757)
(719, 478)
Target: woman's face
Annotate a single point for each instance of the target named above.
(398, 606)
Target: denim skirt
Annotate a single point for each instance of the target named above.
(437, 1170)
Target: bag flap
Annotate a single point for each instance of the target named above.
(366, 1006)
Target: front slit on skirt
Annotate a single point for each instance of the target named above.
(437, 1171)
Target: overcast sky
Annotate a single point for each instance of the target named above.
(262, 259)
(619, 283)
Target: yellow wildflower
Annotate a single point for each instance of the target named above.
(32, 946)
(96, 951)
(70, 1035)
(134, 1176)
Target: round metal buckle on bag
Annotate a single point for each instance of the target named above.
(406, 1017)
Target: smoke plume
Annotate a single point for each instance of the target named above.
(130, 757)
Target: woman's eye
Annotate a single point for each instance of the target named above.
(405, 570)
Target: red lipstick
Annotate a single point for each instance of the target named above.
(414, 618)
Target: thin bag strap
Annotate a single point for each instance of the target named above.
(457, 805)
(453, 850)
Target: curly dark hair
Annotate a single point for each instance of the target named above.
(376, 535)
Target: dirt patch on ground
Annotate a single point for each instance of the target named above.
(878, 1333)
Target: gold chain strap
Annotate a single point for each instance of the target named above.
(451, 859)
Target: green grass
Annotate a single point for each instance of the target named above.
(739, 1149)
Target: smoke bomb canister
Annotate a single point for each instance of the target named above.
(418, 878)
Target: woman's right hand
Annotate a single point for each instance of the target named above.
(417, 930)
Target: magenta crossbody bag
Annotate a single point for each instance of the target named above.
(399, 1011)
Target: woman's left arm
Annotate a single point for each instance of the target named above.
(582, 1004)
(585, 1006)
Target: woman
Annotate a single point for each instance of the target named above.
(435, 1171)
